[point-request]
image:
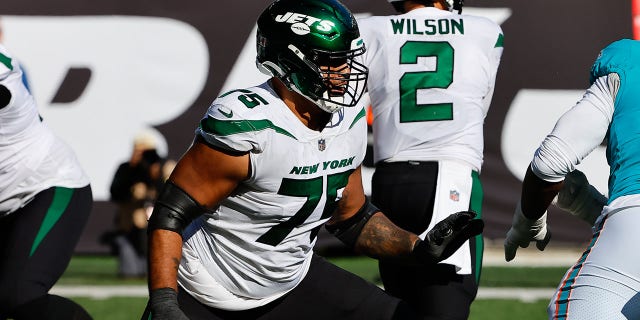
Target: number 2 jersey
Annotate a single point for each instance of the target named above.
(257, 245)
(431, 79)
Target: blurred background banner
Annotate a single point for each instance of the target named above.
(103, 70)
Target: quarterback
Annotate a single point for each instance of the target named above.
(232, 232)
(431, 78)
(605, 281)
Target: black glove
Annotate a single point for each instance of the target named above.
(447, 236)
(163, 303)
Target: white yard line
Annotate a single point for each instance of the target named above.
(532, 257)
(100, 292)
(522, 294)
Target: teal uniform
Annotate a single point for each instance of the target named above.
(621, 57)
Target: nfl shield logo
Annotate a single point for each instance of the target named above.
(454, 195)
(321, 145)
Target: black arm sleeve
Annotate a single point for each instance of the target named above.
(174, 209)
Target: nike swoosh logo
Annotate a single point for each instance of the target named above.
(228, 115)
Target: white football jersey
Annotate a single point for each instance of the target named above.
(258, 243)
(32, 158)
(431, 79)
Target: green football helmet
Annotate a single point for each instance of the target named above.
(306, 42)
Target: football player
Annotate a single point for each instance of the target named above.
(605, 281)
(45, 201)
(232, 233)
(431, 78)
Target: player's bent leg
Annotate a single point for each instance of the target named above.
(594, 302)
(592, 297)
(327, 292)
(436, 292)
(605, 281)
(50, 307)
(40, 239)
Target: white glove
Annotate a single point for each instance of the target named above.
(580, 198)
(525, 230)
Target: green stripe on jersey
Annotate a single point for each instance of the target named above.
(6, 61)
(225, 128)
(359, 116)
(475, 204)
(61, 199)
(232, 91)
(500, 41)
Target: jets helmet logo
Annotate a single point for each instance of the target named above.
(301, 24)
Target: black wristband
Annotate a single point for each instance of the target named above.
(163, 305)
(349, 230)
(162, 295)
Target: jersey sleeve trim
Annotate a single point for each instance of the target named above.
(214, 126)
(233, 91)
(5, 61)
(500, 41)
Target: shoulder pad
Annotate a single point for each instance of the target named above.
(237, 120)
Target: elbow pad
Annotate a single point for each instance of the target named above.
(349, 230)
(174, 210)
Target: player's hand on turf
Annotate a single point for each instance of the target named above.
(447, 236)
(163, 303)
(523, 231)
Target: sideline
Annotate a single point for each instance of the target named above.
(140, 291)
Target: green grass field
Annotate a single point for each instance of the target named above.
(131, 308)
(90, 270)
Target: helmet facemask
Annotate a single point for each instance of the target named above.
(331, 80)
